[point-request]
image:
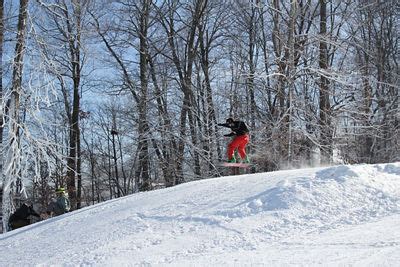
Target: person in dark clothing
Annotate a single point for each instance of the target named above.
(241, 139)
(20, 217)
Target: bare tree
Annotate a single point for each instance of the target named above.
(137, 17)
(324, 102)
(12, 164)
(374, 36)
(184, 64)
(1, 79)
(210, 34)
(66, 17)
(143, 173)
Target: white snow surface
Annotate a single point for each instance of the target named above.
(335, 216)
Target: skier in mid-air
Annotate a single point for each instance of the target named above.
(239, 142)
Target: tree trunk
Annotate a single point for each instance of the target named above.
(169, 147)
(114, 132)
(291, 78)
(74, 42)
(143, 170)
(252, 65)
(185, 70)
(109, 169)
(13, 153)
(324, 103)
(125, 188)
(78, 167)
(2, 109)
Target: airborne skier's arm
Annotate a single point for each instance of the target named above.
(227, 125)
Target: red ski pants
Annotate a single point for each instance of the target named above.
(239, 143)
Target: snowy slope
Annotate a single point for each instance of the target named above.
(343, 215)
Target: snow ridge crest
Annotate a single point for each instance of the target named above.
(333, 196)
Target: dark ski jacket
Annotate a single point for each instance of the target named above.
(20, 217)
(23, 212)
(238, 128)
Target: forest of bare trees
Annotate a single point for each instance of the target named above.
(109, 98)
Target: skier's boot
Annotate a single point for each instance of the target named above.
(232, 160)
(246, 160)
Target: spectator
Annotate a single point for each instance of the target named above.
(20, 217)
(61, 205)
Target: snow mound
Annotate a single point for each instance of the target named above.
(245, 220)
(332, 196)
